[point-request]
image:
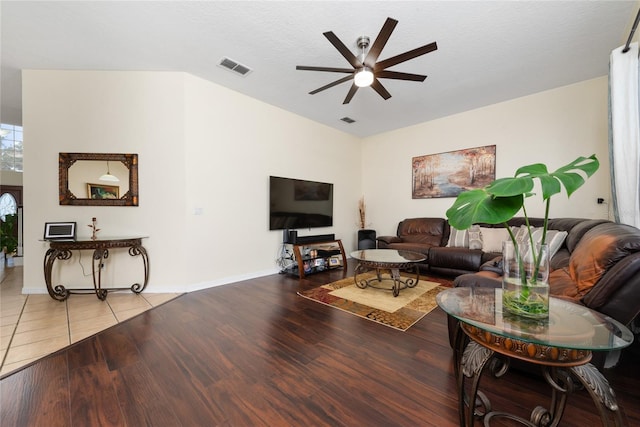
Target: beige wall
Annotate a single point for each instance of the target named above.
(233, 144)
(202, 148)
(206, 153)
(74, 111)
(552, 127)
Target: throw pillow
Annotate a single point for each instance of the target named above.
(492, 238)
(458, 238)
(475, 239)
(554, 239)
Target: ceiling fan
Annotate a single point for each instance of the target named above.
(366, 70)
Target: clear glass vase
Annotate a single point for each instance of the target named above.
(525, 282)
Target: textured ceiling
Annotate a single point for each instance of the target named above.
(487, 51)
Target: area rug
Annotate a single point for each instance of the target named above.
(379, 305)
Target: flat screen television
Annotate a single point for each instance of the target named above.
(297, 203)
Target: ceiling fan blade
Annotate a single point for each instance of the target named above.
(380, 42)
(406, 56)
(352, 92)
(385, 74)
(329, 69)
(377, 86)
(344, 51)
(332, 84)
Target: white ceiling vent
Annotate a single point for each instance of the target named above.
(234, 66)
(348, 120)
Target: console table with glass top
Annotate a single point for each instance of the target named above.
(62, 250)
(561, 345)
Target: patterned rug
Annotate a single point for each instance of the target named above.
(379, 305)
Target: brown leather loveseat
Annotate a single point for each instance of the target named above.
(430, 236)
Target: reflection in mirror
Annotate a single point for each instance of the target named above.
(98, 179)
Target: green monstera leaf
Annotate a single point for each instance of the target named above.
(476, 206)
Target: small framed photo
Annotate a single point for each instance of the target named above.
(101, 191)
(59, 230)
(334, 262)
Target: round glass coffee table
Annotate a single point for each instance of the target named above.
(561, 345)
(387, 262)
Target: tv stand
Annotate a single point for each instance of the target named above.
(315, 257)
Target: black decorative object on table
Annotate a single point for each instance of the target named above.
(366, 239)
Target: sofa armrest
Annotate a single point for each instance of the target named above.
(383, 241)
(478, 280)
(494, 266)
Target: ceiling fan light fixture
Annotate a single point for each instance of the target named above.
(363, 77)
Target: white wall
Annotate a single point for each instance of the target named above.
(200, 146)
(552, 127)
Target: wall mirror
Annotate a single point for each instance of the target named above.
(98, 179)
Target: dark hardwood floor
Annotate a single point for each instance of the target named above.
(256, 354)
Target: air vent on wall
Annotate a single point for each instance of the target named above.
(234, 66)
(348, 120)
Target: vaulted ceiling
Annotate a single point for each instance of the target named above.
(488, 51)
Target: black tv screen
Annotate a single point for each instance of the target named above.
(296, 203)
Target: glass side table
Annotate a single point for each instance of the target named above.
(561, 345)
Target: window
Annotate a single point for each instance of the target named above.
(8, 206)
(11, 148)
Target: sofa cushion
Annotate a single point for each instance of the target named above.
(554, 238)
(455, 258)
(428, 231)
(599, 249)
(577, 231)
(492, 238)
(560, 260)
(563, 286)
(475, 239)
(458, 238)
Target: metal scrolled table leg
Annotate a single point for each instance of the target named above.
(99, 255)
(142, 252)
(58, 292)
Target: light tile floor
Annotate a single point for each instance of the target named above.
(33, 326)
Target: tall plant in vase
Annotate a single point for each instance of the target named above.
(500, 201)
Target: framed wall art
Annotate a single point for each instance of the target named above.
(449, 174)
(101, 191)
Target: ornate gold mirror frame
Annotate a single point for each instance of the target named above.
(129, 198)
